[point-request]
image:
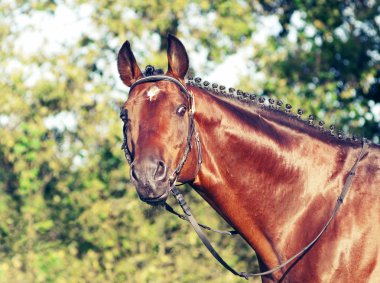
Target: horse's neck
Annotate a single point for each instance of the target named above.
(261, 175)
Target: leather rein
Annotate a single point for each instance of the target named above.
(188, 216)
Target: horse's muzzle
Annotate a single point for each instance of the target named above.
(150, 177)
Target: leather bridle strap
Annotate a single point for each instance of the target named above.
(124, 146)
(246, 275)
(198, 230)
(184, 217)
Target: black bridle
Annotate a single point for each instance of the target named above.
(188, 216)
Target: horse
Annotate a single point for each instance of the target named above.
(273, 176)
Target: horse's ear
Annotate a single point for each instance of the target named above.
(127, 66)
(178, 61)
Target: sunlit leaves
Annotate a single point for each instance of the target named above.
(329, 62)
(68, 212)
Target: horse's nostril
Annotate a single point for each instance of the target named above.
(160, 172)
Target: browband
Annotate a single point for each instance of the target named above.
(155, 78)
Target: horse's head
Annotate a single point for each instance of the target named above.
(158, 122)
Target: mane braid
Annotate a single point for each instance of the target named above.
(274, 108)
(151, 71)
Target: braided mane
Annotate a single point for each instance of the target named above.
(275, 110)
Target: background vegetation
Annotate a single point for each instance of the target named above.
(67, 210)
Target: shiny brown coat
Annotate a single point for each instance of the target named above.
(271, 176)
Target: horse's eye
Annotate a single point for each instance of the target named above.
(181, 110)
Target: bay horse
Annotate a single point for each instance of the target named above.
(272, 176)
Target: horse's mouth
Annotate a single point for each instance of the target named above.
(160, 200)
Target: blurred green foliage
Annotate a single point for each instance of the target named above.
(67, 210)
(333, 65)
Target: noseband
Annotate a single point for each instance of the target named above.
(191, 130)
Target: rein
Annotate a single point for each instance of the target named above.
(188, 216)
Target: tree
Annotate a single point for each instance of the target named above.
(67, 210)
(333, 63)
